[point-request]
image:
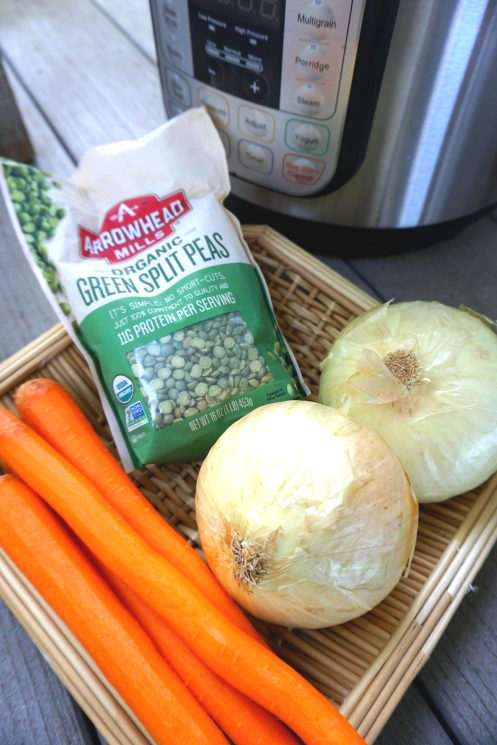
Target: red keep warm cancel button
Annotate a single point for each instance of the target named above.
(303, 171)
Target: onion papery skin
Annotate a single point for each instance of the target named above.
(442, 427)
(317, 502)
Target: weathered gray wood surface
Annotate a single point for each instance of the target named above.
(460, 680)
(83, 74)
(35, 707)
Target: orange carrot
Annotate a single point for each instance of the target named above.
(49, 409)
(231, 653)
(41, 547)
(244, 721)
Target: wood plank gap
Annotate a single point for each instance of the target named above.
(123, 31)
(91, 733)
(443, 718)
(365, 280)
(12, 70)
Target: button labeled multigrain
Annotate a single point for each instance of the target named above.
(256, 123)
(255, 157)
(316, 19)
(303, 136)
(309, 99)
(303, 171)
(216, 105)
(311, 62)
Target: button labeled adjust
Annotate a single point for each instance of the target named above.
(255, 157)
(256, 123)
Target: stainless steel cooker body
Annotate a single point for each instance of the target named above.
(405, 135)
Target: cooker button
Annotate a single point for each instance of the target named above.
(303, 171)
(173, 53)
(309, 137)
(170, 15)
(316, 19)
(226, 142)
(256, 123)
(216, 105)
(255, 87)
(173, 109)
(179, 88)
(309, 100)
(311, 62)
(255, 157)
(217, 73)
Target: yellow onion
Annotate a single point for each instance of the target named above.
(305, 516)
(424, 376)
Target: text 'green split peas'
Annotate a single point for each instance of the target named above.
(187, 371)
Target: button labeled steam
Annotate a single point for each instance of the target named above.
(309, 100)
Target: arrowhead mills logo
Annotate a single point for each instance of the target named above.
(133, 226)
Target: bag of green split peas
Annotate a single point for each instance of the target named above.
(157, 288)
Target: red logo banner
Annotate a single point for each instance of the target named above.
(133, 226)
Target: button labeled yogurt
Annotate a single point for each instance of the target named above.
(303, 136)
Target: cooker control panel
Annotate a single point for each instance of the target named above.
(275, 77)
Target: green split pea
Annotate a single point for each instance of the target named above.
(183, 373)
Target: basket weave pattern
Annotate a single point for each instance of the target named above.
(359, 664)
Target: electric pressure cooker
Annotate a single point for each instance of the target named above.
(364, 113)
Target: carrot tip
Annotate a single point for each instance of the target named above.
(36, 386)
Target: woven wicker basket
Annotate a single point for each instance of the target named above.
(364, 666)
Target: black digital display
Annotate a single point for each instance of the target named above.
(263, 13)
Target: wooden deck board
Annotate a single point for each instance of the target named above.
(461, 677)
(35, 708)
(133, 17)
(93, 83)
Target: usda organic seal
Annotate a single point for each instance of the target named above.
(123, 388)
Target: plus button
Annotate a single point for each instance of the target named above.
(255, 87)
